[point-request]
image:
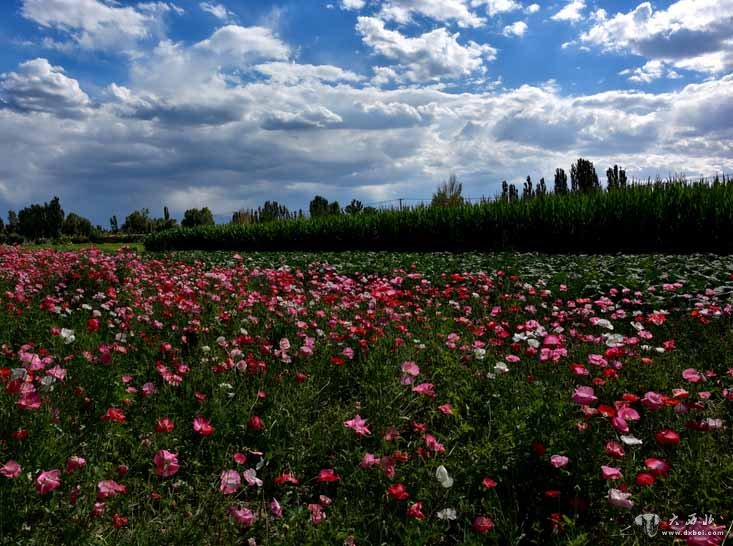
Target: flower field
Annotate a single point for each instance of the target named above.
(364, 398)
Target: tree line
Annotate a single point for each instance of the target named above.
(48, 220)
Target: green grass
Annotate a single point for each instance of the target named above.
(105, 247)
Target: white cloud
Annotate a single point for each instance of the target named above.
(461, 12)
(496, 7)
(402, 11)
(573, 11)
(92, 24)
(353, 4)
(312, 117)
(292, 73)
(689, 34)
(430, 56)
(652, 70)
(518, 28)
(217, 10)
(244, 44)
(38, 86)
(532, 8)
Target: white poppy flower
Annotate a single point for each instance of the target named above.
(442, 475)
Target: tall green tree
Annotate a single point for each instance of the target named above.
(76, 226)
(197, 217)
(273, 211)
(583, 177)
(318, 207)
(448, 194)
(615, 178)
(138, 221)
(36, 221)
(355, 207)
(561, 182)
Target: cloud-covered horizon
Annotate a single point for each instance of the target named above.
(115, 106)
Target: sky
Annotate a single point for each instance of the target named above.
(118, 105)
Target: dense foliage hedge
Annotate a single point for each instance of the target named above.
(669, 217)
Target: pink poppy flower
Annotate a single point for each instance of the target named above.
(286, 477)
(109, 488)
(230, 482)
(644, 479)
(119, 521)
(692, 375)
(584, 396)
(327, 475)
(369, 460)
(203, 426)
(658, 467)
(11, 469)
(482, 525)
(410, 368)
(243, 516)
(317, 513)
(488, 483)
(47, 481)
(611, 473)
(618, 498)
(164, 425)
(114, 415)
(250, 476)
(415, 511)
(447, 409)
(239, 458)
(75, 463)
(426, 389)
(166, 463)
(398, 491)
(628, 414)
(29, 400)
(255, 423)
(614, 449)
(433, 444)
(559, 461)
(668, 437)
(620, 424)
(275, 509)
(652, 400)
(358, 425)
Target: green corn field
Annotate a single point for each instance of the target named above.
(670, 216)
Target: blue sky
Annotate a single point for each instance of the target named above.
(116, 105)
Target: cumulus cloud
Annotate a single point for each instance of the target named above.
(464, 13)
(92, 24)
(653, 70)
(292, 72)
(572, 11)
(313, 117)
(241, 44)
(518, 28)
(217, 10)
(38, 86)
(431, 56)
(352, 4)
(402, 11)
(495, 7)
(689, 34)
